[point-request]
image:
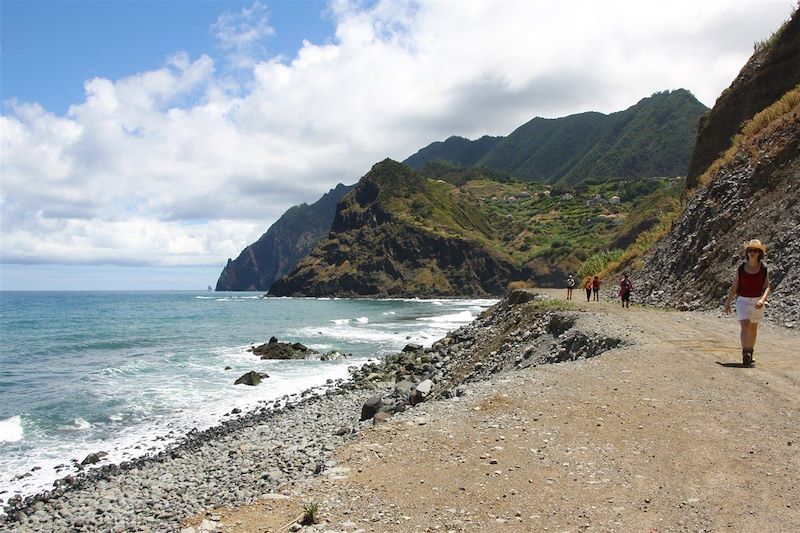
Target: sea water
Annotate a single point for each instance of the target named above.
(128, 373)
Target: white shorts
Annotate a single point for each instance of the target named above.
(746, 309)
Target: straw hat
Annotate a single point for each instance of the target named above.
(755, 243)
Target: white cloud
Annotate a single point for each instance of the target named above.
(242, 35)
(181, 166)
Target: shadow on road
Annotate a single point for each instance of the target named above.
(731, 365)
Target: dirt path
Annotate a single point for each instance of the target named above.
(666, 434)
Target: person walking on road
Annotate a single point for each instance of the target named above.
(751, 288)
(596, 288)
(587, 284)
(570, 286)
(625, 288)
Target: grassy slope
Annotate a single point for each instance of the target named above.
(564, 231)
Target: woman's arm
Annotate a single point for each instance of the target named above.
(761, 301)
(732, 292)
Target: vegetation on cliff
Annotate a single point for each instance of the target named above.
(403, 233)
(772, 70)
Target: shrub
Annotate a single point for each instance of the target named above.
(596, 263)
(310, 510)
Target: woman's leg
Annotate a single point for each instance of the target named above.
(745, 334)
(752, 335)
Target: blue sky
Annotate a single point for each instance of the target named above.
(145, 142)
(49, 48)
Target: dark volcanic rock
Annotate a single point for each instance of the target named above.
(282, 350)
(692, 267)
(250, 378)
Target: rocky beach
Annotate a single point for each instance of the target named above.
(540, 415)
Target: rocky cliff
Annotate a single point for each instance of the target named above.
(284, 244)
(771, 71)
(754, 194)
(400, 234)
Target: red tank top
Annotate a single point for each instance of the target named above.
(751, 285)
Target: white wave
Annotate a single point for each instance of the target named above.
(79, 424)
(437, 302)
(348, 333)
(11, 429)
(388, 313)
(463, 316)
(362, 320)
(206, 297)
(115, 418)
(341, 321)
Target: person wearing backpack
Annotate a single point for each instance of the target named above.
(570, 286)
(625, 288)
(751, 288)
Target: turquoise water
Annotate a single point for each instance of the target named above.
(129, 372)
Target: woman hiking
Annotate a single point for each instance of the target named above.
(751, 288)
(625, 288)
(587, 284)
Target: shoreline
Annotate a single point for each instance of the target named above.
(665, 432)
(265, 455)
(297, 440)
(127, 438)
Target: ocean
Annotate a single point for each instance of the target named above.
(129, 373)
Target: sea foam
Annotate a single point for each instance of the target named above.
(11, 429)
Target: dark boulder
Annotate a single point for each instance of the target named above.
(93, 458)
(370, 407)
(282, 350)
(250, 378)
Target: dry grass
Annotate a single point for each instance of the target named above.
(745, 143)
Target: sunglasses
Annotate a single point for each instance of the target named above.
(751, 251)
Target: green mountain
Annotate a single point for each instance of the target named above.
(652, 138)
(402, 233)
(457, 150)
(278, 250)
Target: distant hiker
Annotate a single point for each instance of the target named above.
(751, 288)
(596, 288)
(587, 284)
(625, 288)
(570, 286)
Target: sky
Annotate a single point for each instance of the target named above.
(145, 142)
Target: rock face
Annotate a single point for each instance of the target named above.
(754, 195)
(283, 245)
(768, 74)
(375, 248)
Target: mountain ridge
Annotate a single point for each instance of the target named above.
(569, 149)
